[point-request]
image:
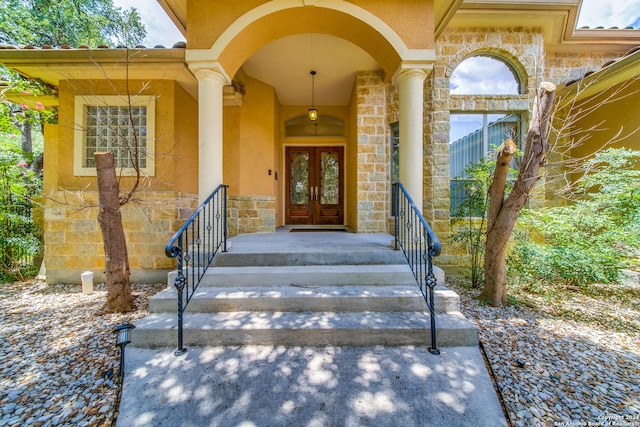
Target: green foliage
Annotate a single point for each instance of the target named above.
(69, 22)
(470, 215)
(593, 238)
(6, 122)
(20, 238)
(58, 23)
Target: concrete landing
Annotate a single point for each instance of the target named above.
(308, 386)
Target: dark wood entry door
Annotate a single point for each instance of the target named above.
(315, 186)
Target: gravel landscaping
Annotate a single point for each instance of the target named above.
(559, 358)
(563, 356)
(58, 358)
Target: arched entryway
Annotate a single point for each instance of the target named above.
(249, 52)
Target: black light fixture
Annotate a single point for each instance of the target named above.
(313, 111)
(123, 337)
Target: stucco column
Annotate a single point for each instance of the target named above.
(210, 107)
(411, 111)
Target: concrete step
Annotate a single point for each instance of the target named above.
(294, 298)
(352, 256)
(310, 275)
(339, 289)
(304, 329)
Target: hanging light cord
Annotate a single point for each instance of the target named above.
(313, 89)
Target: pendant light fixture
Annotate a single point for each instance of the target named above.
(313, 111)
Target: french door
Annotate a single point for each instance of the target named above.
(315, 186)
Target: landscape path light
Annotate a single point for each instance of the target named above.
(123, 337)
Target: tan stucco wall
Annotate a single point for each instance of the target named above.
(278, 162)
(251, 135)
(412, 20)
(185, 148)
(73, 240)
(619, 105)
(250, 141)
(176, 136)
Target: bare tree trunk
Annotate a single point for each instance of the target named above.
(27, 141)
(119, 297)
(504, 213)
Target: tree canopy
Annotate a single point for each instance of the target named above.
(69, 22)
(57, 23)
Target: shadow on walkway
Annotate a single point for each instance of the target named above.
(304, 386)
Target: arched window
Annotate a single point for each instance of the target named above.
(301, 126)
(475, 129)
(484, 75)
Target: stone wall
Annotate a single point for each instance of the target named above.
(373, 187)
(520, 47)
(523, 49)
(250, 214)
(73, 239)
(566, 66)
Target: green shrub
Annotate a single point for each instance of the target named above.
(594, 237)
(20, 238)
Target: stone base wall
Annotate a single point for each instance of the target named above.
(250, 214)
(73, 239)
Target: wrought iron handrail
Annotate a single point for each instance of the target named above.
(419, 245)
(195, 245)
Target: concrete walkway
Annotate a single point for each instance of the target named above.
(302, 386)
(308, 386)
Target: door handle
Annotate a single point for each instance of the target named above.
(316, 189)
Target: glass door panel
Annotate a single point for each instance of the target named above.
(299, 182)
(329, 178)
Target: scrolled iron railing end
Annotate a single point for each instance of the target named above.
(436, 248)
(172, 251)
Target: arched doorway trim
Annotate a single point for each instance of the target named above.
(277, 5)
(381, 41)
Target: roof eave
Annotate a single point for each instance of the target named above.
(622, 70)
(54, 65)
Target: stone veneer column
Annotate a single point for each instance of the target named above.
(411, 110)
(372, 155)
(210, 124)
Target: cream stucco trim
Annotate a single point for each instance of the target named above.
(204, 65)
(274, 6)
(80, 133)
(411, 110)
(425, 65)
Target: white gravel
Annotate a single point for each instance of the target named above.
(57, 350)
(56, 344)
(554, 371)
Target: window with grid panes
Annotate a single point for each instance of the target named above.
(110, 123)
